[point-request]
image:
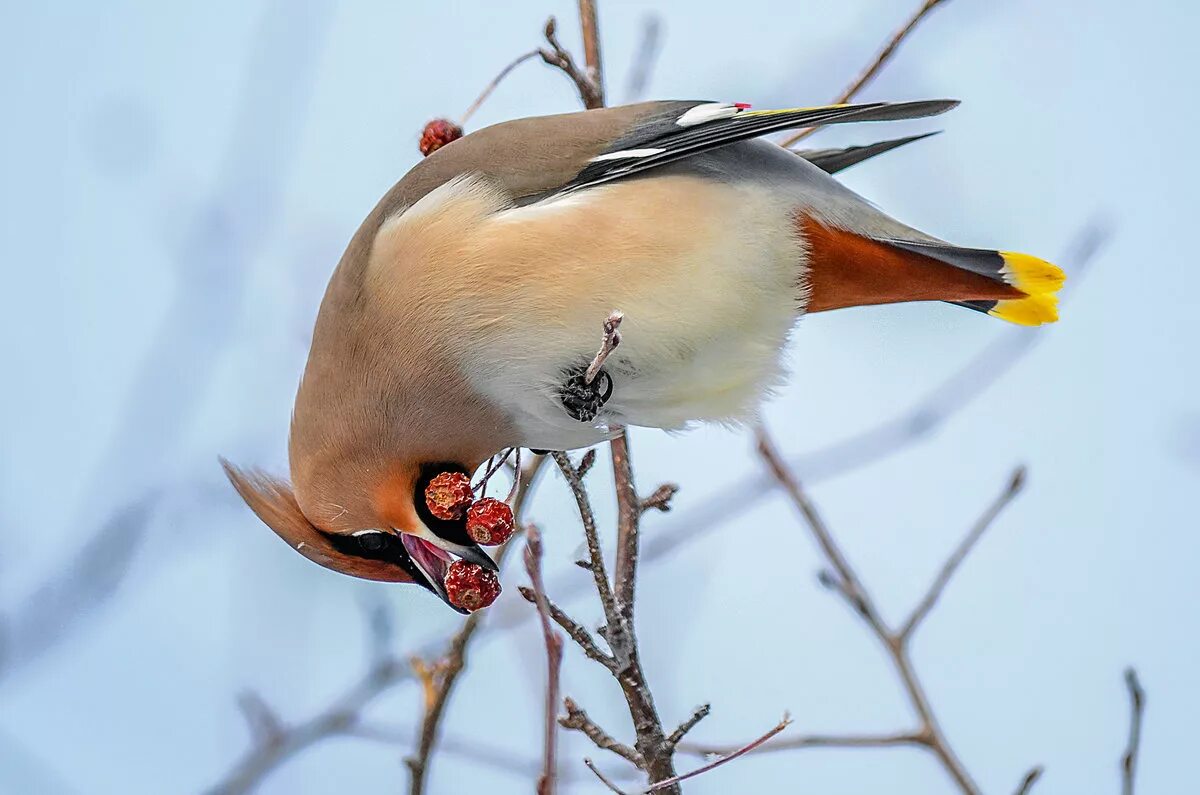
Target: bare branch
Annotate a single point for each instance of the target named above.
(1015, 483)
(586, 463)
(578, 720)
(497, 80)
(660, 500)
(558, 57)
(889, 49)
(591, 535)
(590, 27)
(608, 344)
(628, 520)
(847, 580)
(783, 724)
(699, 714)
(1030, 779)
(1137, 706)
(440, 685)
(646, 55)
(573, 628)
(546, 784)
(265, 726)
(603, 779)
(337, 719)
(813, 741)
(848, 583)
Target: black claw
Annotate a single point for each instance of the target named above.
(582, 400)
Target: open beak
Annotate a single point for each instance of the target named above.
(433, 556)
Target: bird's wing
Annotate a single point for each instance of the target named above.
(665, 136)
(831, 161)
(536, 157)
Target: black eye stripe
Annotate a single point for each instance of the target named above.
(379, 546)
(372, 546)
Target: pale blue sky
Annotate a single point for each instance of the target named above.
(179, 180)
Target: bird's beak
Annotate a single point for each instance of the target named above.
(470, 551)
(432, 555)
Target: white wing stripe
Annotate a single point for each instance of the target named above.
(624, 153)
(707, 112)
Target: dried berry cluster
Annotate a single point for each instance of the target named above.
(489, 522)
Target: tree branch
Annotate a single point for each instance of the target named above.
(1015, 484)
(578, 720)
(873, 68)
(813, 741)
(1137, 706)
(1030, 779)
(558, 57)
(849, 584)
(546, 784)
(699, 714)
(750, 746)
(590, 27)
(496, 81)
(282, 742)
(646, 55)
(574, 629)
(445, 674)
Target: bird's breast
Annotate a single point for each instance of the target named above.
(707, 274)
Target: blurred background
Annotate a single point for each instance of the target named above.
(178, 182)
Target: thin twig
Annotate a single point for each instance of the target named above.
(448, 669)
(1015, 483)
(546, 784)
(608, 344)
(1137, 706)
(590, 27)
(490, 87)
(750, 746)
(603, 779)
(629, 513)
(850, 586)
(881, 59)
(558, 57)
(579, 721)
(574, 629)
(645, 56)
(287, 741)
(1030, 779)
(265, 726)
(660, 500)
(590, 534)
(813, 741)
(698, 714)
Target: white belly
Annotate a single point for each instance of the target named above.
(708, 275)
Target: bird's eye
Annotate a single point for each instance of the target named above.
(372, 541)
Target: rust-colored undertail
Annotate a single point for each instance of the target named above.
(847, 269)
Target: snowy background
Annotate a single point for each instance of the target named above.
(178, 182)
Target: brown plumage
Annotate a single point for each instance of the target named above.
(478, 284)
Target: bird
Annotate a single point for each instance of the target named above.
(463, 316)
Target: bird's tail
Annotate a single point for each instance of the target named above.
(850, 269)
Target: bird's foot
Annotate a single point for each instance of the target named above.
(582, 399)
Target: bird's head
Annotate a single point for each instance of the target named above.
(384, 532)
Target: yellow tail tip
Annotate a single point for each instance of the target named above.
(1030, 274)
(1040, 280)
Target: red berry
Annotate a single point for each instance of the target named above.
(437, 134)
(490, 522)
(448, 495)
(470, 587)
